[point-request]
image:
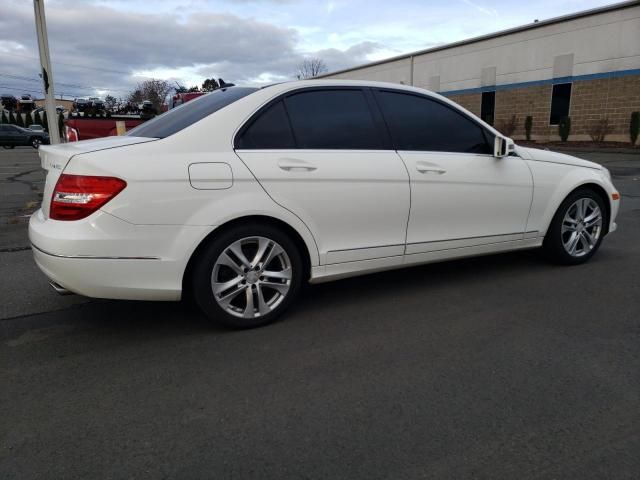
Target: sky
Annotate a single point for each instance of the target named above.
(101, 47)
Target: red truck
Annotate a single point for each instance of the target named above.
(85, 128)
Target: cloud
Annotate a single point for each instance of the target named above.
(104, 48)
(487, 11)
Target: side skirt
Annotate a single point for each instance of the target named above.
(327, 273)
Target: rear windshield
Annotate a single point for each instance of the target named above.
(189, 113)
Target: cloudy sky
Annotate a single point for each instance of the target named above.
(107, 46)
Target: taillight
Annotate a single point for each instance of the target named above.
(78, 196)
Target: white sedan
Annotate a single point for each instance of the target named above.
(241, 195)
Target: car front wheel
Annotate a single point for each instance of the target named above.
(35, 142)
(577, 229)
(248, 276)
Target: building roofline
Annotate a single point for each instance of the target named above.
(501, 33)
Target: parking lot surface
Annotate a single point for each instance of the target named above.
(495, 367)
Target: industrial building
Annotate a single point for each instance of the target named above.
(585, 66)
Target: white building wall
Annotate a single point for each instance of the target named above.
(600, 43)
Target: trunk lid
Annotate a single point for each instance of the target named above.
(54, 159)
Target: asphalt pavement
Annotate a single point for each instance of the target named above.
(494, 367)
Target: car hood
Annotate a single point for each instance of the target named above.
(554, 157)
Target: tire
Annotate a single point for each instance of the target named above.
(35, 142)
(570, 239)
(273, 286)
(8, 147)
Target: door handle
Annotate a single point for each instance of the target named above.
(295, 165)
(426, 169)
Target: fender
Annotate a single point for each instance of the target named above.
(549, 193)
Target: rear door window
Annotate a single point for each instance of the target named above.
(332, 119)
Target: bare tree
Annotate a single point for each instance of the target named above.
(311, 67)
(110, 101)
(153, 90)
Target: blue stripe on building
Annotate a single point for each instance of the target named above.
(550, 81)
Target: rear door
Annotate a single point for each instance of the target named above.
(323, 154)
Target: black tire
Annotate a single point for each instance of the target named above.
(35, 142)
(553, 244)
(8, 147)
(203, 270)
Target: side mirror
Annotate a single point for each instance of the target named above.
(502, 146)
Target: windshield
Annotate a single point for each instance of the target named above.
(189, 113)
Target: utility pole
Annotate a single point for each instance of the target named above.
(47, 73)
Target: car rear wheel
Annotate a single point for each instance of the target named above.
(248, 276)
(8, 147)
(35, 142)
(577, 229)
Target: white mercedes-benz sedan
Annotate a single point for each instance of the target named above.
(242, 195)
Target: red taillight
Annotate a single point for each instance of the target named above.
(78, 196)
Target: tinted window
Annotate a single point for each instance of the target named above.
(488, 107)
(560, 101)
(332, 119)
(270, 130)
(181, 117)
(418, 123)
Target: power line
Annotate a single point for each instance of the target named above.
(39, 92)
(33, 79)
(70, 64)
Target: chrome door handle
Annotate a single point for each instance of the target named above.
(295, 165)
(437, 170)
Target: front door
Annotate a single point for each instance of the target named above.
(461, 195)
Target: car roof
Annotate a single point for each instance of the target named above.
(320, 82)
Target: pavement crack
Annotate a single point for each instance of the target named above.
(16, 178)
(15, 249)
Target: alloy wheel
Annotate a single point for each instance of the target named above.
(581, 227)
(251, 277)
(36, 142)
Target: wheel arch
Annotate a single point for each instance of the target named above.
(303, 247)
(591, 185)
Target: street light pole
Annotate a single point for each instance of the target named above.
(47, 73)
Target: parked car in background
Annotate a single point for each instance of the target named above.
(12, 136)
(240, 196)
(81, 104)
(26, 103)
(97, 105)
(36, 128)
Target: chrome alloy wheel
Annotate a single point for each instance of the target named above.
(581, 227)
(36, 142)
(251, 277)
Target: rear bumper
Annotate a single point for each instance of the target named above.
(105, 257)
(112, 278)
